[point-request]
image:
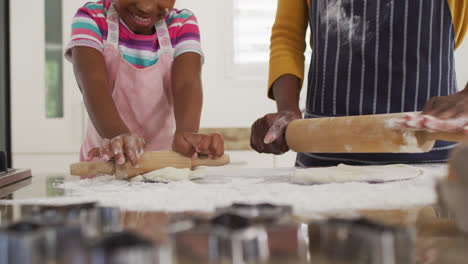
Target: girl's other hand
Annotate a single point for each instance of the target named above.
(121, 148)
(192, 144)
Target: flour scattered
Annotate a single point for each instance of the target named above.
(393, 123)
(345, 173)
(348, 148)
(411, 143)
(352, 28)
(339, 21)
(224, 186)
(171, 174)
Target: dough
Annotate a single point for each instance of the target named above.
(345, 173)
(171, 174)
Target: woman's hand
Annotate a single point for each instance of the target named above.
(448, 107)
(268, 132)
(192, 144)
(444, 113)
(121, 148)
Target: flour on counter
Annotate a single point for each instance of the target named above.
(345, 173)
(225, 185)
(170, 174)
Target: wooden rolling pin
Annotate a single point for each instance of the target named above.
(150, 161)
(361, 134)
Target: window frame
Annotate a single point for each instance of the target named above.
(252, 75)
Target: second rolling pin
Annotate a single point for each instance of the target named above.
(149, 161)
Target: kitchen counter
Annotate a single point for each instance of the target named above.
(223, 186)
(413, 203)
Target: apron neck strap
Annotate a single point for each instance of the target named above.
(164, 38)
(113, 27)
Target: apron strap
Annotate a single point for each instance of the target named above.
(161, 28)
(164, 38)
(113, 27)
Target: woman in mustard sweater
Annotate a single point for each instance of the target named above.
(369, 57)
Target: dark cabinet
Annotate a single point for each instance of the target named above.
(4, 80)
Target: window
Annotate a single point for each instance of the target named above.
(252, 23)
(54, 59)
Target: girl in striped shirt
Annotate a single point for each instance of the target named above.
(138, 65)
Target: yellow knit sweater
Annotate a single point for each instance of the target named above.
(288, 36)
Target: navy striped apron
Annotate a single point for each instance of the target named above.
(374, 57)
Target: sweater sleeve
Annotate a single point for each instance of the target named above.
(460, 19)
(288, 40)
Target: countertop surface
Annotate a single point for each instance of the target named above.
(148, 208)
(223, 186)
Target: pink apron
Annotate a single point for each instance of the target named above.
(143, 96)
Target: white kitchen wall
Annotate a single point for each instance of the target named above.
(225, 104)
(461, 56)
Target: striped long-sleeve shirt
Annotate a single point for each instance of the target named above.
(89, 28)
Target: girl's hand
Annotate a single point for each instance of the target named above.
(444, 113)
(192, 144)
(124, 147)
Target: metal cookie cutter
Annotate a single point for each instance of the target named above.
(94, 220)
(241, 234)
(124, 248)
(453, 196)
(453, 191)
(50, 241)
(361, 242)
(262, 213)
(23, 242)
(227, 238)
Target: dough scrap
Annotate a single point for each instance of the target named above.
(346, 173)
(171, 174)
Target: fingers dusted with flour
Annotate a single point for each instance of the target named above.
(443, 113)
(120, 148)
(94, 153)
(268, 132)
(193, 144)
(128, 147)
(278, 129)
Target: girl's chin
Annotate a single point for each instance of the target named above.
(144, 31)
(137, 29)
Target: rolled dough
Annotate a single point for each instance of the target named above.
(171, 174)
(346, 173)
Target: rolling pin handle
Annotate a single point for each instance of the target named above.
(452, 137)
(92, 168)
